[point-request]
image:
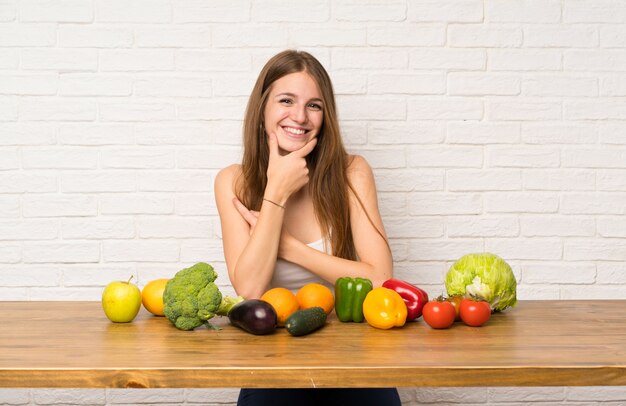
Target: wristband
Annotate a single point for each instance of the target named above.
(274, 203)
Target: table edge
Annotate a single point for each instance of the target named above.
(323, 377)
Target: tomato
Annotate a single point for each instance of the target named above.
(439, 314)
(456, 302)
(475, 313)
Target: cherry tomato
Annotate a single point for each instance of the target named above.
(439, 314)
(475, 313)
(456, 302)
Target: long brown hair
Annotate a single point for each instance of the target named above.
(328, 180)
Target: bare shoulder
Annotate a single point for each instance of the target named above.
(359, 170)
(230, 171)
(225, 178)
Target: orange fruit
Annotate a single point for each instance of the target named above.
(152, 296)
(283, 301)
(315, 294)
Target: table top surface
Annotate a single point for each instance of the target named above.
(537, 343)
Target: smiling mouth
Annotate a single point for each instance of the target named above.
(295, 131)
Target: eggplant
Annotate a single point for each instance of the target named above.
(254, 316)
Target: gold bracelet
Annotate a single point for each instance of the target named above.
(274, 203)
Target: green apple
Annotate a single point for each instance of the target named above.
(121, 301)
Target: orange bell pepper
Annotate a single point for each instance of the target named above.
(384, 308)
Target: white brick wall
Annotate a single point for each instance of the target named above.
(493, 125)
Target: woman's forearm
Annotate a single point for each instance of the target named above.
(330, 267)
(255, 266)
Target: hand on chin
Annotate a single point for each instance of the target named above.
(287, 145)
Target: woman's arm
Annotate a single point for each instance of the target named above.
(375, 261)
(251, 241)
(250, 253)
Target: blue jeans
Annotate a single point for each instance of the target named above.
(325, 397)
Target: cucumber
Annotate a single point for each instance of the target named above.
(305, 321)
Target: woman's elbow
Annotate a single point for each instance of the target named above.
(248, 289)
(250, 292)
(378, 278)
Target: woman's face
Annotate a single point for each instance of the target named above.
(294, 111)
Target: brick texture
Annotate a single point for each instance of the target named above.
(494, 125)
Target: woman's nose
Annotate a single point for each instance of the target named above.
(298, 114)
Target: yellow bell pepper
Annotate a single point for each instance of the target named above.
(384, 308)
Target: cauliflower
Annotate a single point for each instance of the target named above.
(191, 297)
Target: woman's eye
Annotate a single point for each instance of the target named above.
(286, 101)
(315, 106)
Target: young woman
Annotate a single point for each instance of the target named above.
(298, 209)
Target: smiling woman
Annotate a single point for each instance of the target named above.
(294, 111)
(295, 184)
(299, 210)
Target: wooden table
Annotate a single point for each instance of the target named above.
(537, 343)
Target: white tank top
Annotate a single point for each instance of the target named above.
(293, 277)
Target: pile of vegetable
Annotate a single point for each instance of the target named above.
(483, 276)
(477, 285)
(391, 305)
(258, 317)
(442, 313)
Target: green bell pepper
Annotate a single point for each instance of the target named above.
(349, 296)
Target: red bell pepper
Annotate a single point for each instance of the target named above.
(414, 297)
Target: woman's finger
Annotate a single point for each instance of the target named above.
(273, 145)
(306, 149)
(245, 213)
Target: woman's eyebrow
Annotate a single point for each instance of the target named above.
(316, 99)
(286, 94)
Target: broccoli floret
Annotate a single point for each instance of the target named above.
(191, 297)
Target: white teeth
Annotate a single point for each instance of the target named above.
(294, 130)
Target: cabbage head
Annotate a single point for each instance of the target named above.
(485, 276)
